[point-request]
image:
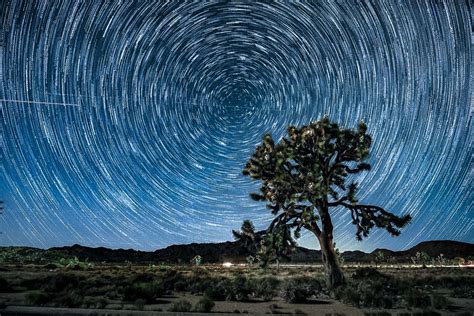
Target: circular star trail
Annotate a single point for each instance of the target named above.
(127, 124)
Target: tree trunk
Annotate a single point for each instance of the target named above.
(330, 261)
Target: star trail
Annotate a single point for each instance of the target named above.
(128, 123)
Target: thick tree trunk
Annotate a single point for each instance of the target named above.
(330, 261)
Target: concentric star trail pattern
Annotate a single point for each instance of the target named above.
(128, 123)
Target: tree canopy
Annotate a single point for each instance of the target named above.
(305, 175)
(306, 172)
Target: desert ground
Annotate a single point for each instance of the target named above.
(126, 289)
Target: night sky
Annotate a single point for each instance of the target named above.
(127, 124)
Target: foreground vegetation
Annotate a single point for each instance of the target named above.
(207, 288)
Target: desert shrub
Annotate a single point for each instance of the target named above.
(140, 304)
(170, 278)
(237, 289)
(443, 282)
(464, 291)
(204, 305)
(348, 294)
(101, 302)
(142, 277)
(416, 298)
(368, 273)
(70, 300)
(50, 266)
(146, 291)
(367, 293)
(299, 290)
(95, 302)
(374, 294)
(164, 267)
(33, 284)
(38, 298)
(265, 287)
(89, 302)
(181, 285)
(94, 291)
(200, 285)
(61, 282)
(439, 302)
(216, 289)
(181, 305)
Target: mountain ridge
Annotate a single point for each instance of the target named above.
(234, 251)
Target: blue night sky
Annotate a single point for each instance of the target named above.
(127, 124)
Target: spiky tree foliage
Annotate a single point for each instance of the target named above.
(304, 176)
(277, 245)
(247, 236)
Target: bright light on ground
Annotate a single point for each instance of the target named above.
(227, 264)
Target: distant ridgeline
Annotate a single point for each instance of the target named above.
(424, 253)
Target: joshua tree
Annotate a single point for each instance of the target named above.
(276, 245)
(196, 260)
(379, 258)
(304, 176)
(248, 236)
(339, 256)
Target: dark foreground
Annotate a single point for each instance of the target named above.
(92, 289)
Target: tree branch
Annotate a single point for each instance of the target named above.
(366, 217)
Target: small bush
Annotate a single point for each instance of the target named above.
(70, 300)
(101, 303)
(367, 293)
(439, 302)
(95, 302)
(348, 294)
(416, 298)
(216, 290)
(146, 291)
(180, 286)
(37, 298)
(50, 266)
(181, 305)
(236, 289)
(170, 278)
(142, 278)
(464, 291)
(201, 285)
(140, 304)
(61, 282)
(265, 287)
(204, 305)
(33, 284)
(368, 273)
(299, 290)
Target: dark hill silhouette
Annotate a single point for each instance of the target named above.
(235, 252)
(450, 249)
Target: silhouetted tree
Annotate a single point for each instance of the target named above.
(247, 236)
(304, 176)
(276, 246)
